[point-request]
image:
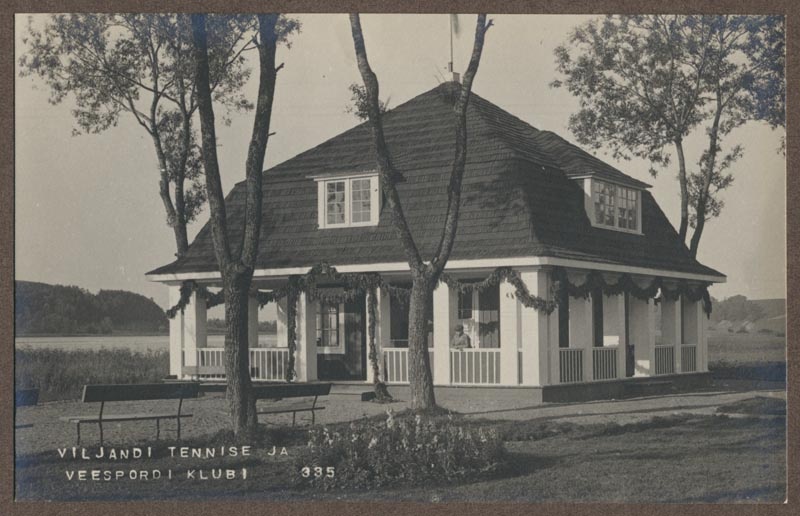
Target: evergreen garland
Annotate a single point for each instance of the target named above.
(354, 285)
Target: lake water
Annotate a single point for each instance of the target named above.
(131, 342)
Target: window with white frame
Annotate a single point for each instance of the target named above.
(615, 206)
(348, 201)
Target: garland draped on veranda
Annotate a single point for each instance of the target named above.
(350, 285)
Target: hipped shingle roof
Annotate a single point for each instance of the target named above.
(517, 200)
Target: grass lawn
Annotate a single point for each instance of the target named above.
(680, 458)
(745, 348)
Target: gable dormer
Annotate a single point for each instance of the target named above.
(612, 205)
(348, 200)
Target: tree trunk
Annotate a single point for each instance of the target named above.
(682, 181)
(708, 172)
(237, 367)
(419, 369)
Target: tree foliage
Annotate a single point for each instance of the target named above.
(141, 65)
(359, 102)
(647, 82)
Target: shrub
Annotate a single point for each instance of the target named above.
(400, 450)
(742, 330)
(60, 374)
(765, 331)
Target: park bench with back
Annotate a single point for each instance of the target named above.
(135, 392)
(293, 391)
(25, 398)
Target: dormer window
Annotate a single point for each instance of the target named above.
(347, 201)
(613, 206)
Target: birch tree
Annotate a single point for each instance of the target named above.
(237, 263)
(140, 66)
(424, 274)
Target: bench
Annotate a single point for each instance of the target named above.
(279, 391)
(25, 398)
(134, 392)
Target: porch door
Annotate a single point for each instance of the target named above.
(341, 341)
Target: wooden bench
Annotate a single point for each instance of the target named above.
(25, 398)
(134, 392)
(279, 391)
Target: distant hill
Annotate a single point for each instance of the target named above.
(57, 309)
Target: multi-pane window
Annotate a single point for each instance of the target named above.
(360, 191)
(328, 325)
(348, 202)
(615, 206)
(605, 197)
(465, 305)
(335, 202)
(627, 208)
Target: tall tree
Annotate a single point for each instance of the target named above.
(646, 82)
(237, 263)
(141, 65)
(640, 88)
(744, 81)
(424, 274)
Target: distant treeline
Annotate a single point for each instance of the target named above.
(58, 309)
(739, 308)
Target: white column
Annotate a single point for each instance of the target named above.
(509, 334)
(671, 327)
(553, 353)
(176, 361)
(282, 336)
(642, 335)
(306, 353)
(252, 322)
(445, 305)
(538, 350)
(581, 333)
(193, 329)
(702, 338)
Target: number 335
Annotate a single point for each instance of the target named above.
(318, 472)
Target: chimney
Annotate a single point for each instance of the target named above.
(456, 75)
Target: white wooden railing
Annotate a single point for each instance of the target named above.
(265, 363)
(475, 366)
(688, 358)
(665, 360)
(269, 363)
(604, 363)
(570, 365)
(395, 364)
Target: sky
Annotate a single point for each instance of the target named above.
(88, 213)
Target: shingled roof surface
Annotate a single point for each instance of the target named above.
(517, 200)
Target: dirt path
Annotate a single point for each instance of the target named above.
(210, 414)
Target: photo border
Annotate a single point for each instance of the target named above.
(7, 76)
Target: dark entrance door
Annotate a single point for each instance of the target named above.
(630, 357)
(352, 364)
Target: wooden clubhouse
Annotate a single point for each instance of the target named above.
(631, 303)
